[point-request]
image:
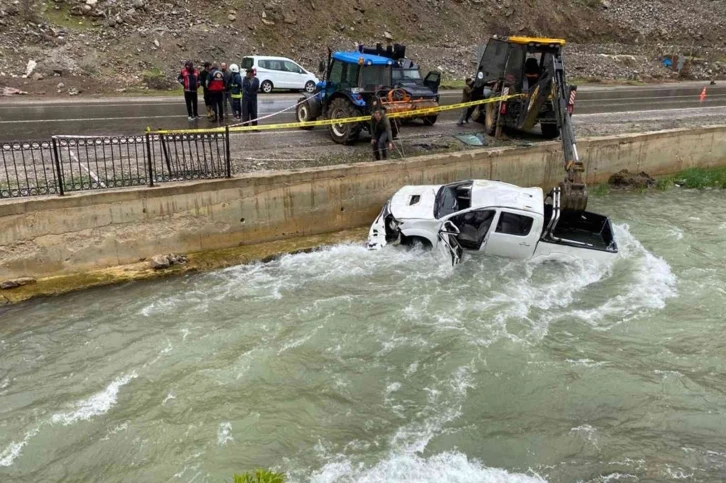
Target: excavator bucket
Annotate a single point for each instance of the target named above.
(573, 196)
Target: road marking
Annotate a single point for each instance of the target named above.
(88, 170)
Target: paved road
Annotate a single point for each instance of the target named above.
(22, 119)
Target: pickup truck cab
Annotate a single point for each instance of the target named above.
(492, 218)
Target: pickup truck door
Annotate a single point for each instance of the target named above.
(515, 235)
(448, 244)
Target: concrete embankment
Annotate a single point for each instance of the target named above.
(63, 236)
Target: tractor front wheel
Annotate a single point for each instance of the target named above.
(344, 133)
(302, 114)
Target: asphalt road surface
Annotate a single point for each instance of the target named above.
(24, 119)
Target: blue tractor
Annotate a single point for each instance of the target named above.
(356, 82)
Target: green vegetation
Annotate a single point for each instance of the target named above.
(260, 476)
(452, 84)
(62, 17)
(695, 178)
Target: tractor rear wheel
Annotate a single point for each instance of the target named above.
(550, 131)
(346, 133)
(302, 114)
(430, 120)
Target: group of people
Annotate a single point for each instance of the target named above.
(224, 89)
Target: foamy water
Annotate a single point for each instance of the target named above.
(345, 365)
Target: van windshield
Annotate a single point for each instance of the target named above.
(247, 63)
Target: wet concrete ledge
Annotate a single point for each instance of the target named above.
(197, 262)
(82, 236)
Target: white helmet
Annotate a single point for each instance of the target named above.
(234, 68)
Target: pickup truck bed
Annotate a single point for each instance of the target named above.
(586, 230)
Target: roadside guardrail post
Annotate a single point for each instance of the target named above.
(148, 160)
(227, 151)
(59, 172)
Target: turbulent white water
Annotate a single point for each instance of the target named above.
(345, 365)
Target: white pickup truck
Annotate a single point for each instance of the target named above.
(493, 218)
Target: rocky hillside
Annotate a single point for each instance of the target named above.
(104, 45)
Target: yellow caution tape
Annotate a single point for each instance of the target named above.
(343, 120)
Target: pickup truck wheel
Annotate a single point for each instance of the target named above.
(302, 114)
(266, 86)
(412, 241)
(550, 131)
(430, 120)
(346, 133)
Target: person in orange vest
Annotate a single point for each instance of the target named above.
(216, 88)
(189, 78)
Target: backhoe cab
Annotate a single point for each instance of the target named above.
(533, 70)
(520, 65)
(356, 82)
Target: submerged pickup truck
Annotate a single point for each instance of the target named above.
(493, 218)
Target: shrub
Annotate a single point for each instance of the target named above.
(260, 476)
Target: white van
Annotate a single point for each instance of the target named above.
(279, 73)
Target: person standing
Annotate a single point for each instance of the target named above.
(227, 77)
(466, 97)
(203, 76)
(189, 78)
(235, 91)
(216, 88)
(382, 136)
(250, 86)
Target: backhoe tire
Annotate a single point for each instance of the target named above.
(344, 133)
(490, 118)
(550, 131)
(430, 120)
(302, 114)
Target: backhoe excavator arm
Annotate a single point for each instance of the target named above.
(573, 188)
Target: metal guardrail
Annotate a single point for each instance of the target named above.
(81, 163)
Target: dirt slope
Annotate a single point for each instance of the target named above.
(102, 45)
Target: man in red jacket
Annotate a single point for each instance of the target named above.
(216, 88)
(189, 78)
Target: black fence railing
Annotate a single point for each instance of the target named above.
(79, 163)
(27, 169)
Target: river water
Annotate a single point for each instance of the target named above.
(345, 365)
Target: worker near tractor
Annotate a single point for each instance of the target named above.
(189, 79)
(203, 75)
(235, 91)
(381, 134)
(250, 86)
(466, 97)
(216, 88)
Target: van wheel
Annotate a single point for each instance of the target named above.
(266, 87)
(310, 87)
(302, 114)
(550, 131)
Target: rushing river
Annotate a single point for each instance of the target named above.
(345, 365)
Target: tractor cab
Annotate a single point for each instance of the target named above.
(358, 81)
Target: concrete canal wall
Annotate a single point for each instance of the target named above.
(50, 236)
